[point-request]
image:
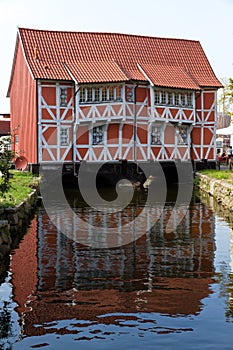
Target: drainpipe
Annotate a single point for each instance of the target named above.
(76, 90)
(135, 125)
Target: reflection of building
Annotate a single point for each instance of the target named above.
(107, 97)
(160, 272)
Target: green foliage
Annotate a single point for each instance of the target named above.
(6, 157)
(226, 97)
(21, 184)
(219, 174)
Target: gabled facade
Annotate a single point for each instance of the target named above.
(106, 97)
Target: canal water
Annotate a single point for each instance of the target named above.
(167, 289)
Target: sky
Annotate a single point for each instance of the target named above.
(209, 21)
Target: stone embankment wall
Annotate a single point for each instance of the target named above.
(18, 215)
(12, 221)
(5, 245)
(220, 190)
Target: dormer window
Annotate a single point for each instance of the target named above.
(98, 94)
(174, 98)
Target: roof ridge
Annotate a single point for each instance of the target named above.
(109, 33)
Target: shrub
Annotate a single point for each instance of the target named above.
(6, 157)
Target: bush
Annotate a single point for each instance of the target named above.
(6, 157)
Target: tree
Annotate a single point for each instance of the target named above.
(6, 157)
(226, 97)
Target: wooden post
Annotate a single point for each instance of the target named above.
(230, 163)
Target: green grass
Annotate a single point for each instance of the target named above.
(21, 186)
(226, 175)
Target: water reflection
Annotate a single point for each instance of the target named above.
(154, 286)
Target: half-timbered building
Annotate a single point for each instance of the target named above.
(78, 96)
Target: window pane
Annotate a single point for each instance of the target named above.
(190, 99)
(129, 94)
(89, 94)
(104, 93)
(177, 99)
(98, 135)
(170, 98)
(82, 95)
(63, 97)
(111, 93)
(64, 137)
(183, 99)
(163, 97)
(96, 94)
(118, 91)
(182, 135)
(156, 135)
(157, 97)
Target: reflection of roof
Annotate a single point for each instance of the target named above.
(102, 57)
(178, 296)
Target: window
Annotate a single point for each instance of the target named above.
(89, 94)
(174, 98)
(157, 97)
(97, 96)
(63, 97)
(118, 93)
(190, 99)
(156, 134)
(64, 137)
(129, 94)
(170, 98)
(16, 139)
(98, 135)
(94, 94)
(163, 97)
(183, 99)
(177, 99)
(104, 94)
(82, 95)
(182, 131)
(111, 93)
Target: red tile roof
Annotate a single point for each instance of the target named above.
(96, 71)
(169, 76)
(101, 57)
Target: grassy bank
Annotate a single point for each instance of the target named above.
(21, 186)
(226, 175)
